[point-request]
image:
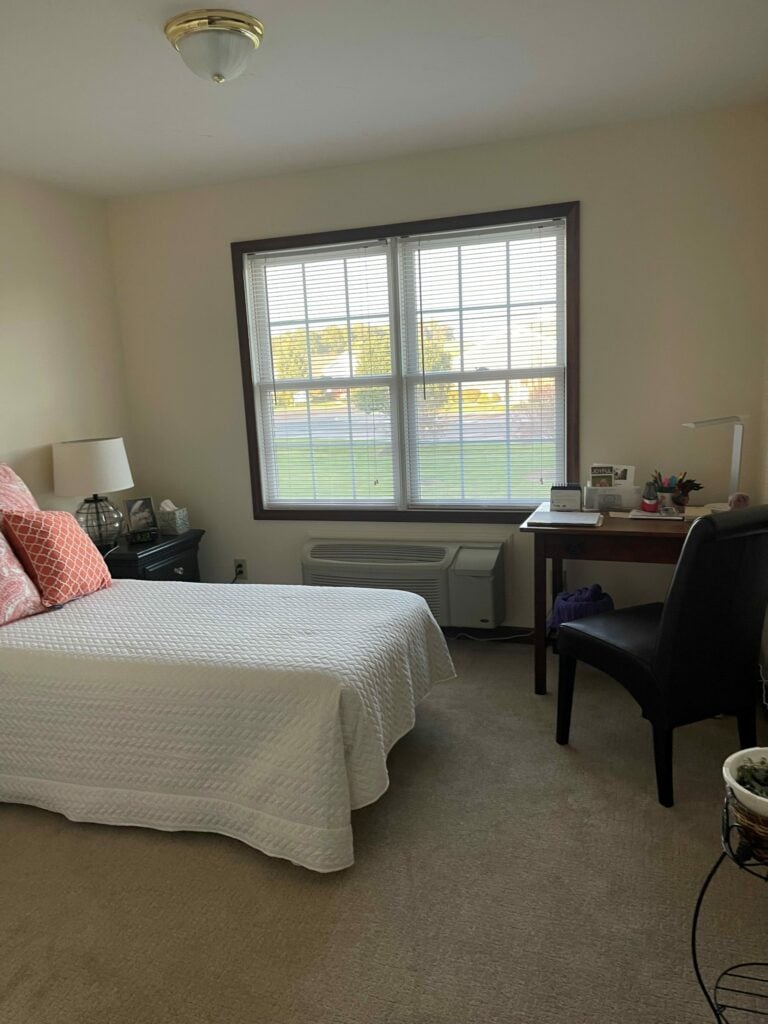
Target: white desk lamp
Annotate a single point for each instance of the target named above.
(738, 437)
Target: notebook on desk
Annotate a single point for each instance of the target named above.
(543, 517)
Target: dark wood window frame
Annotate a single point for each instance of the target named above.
(569, 212)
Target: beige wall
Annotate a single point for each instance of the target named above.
(60, 366)
(674, 264)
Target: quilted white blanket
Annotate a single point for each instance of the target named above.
(262, 712)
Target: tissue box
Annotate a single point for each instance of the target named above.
(176, 521)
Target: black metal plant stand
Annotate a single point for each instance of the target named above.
(741, 991)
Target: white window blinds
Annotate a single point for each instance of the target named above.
(484, 338)
(413, 372)
(321, 337)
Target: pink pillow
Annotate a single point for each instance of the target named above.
(14, 493)
(18, 596)
(60, 557)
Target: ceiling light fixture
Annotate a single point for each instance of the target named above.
(215, 44)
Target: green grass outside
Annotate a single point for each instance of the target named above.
(337, 464)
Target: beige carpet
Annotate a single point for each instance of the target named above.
(501, 879)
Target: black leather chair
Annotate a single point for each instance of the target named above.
(697, 654)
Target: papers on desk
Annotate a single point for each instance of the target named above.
(543, 517)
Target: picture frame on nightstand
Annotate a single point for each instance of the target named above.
(140, 520)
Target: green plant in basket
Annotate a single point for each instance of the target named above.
(753, 775)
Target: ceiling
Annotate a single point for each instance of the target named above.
(95, 98)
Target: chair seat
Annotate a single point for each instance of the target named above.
(694, 656)
(623, 645)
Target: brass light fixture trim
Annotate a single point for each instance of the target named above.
(215, 18)
(212, 61)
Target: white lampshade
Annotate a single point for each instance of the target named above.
(215, 55)
(94, 465)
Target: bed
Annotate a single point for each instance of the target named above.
(264, 713)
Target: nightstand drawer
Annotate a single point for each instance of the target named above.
(181, 567)
(166, 558)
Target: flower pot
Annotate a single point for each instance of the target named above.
(681, 500)
(757, 804)
(746, 812)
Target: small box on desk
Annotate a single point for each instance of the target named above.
(565, 498)
(173, 522)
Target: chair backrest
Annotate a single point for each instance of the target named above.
(709, 641)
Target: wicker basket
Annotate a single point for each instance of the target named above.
(753, 828)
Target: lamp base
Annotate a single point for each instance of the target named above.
(101, 520)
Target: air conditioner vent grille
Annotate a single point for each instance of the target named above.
(462, 582)
(383, 553)
(430, 590)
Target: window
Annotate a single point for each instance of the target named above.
(423, 371)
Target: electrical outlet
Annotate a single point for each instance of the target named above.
(241, 569)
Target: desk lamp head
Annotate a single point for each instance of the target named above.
(736, 499)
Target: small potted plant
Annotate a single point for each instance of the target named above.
(674, 490)
(746, 786)
(746, 772)
(683, 488)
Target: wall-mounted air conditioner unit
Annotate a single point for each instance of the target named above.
(463, 583)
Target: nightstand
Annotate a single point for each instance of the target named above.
(167, 558)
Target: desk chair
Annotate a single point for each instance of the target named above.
(697, 654)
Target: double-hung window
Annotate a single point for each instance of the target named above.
(423, 371)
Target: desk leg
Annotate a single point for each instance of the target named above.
(539, 617)
(557, 577)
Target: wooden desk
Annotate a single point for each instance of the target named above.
(617, 540)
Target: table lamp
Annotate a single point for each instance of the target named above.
(738, 437)
(89, 466)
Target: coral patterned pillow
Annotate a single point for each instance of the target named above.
(18, 596)
(14, 493)
(61, 558)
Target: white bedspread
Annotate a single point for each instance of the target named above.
(262, 712)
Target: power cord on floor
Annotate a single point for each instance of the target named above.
(490, 639)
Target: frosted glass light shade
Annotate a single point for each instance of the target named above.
(90, 466)
(216, 55)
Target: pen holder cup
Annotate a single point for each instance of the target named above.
(173, 522)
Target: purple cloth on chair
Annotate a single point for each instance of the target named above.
(578, 605)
